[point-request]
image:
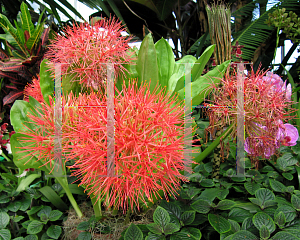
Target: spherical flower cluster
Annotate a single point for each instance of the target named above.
(85, 50)
(267, 102)
(149, 143)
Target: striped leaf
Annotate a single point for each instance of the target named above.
(34, 38)
(26, 19)
(12, 96)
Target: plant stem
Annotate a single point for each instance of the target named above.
(65, 186)
(96, 206)
(127, 218)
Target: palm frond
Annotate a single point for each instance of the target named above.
(258, 31)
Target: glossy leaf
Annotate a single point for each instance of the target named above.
(147, 62)
(54, 231)
(35, 37)
(219, 223)
(165, 61)
(133, 233)
(26, 19)
(4, 219)
(46, 81)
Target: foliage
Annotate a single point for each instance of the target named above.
(220, 208)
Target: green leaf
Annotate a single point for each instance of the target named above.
(264, 232)
(5, 234)
(261, 218)
(295, 202)
(55, 215)
(34, 210)
(251, 187)
(147, 62)
(201, 62)
(170, 228)
(286, 160)
(53, 197)
(199, 86)
(35, 227)
(245, 235)
(54, 231)
(201, 206)
(176, 82)
(277, 186)
(280, 219)
(207, 183)
(188, 217)
(194, 232)
(289, 212)
(288, 176)
(31, 237)
(27, 181)
(264, 195)
(26, 19)
(19, 116)
(155, 228)
(84, 236)
(14, 206)
(83, 226)
(35, 37)
(238, 214)
(45, 210)
(282, 235)
(165, 61)
(4, 220)
(133, 233)
(18, 218)
(153, 236)
(225, 204)
(161, 217)
(220, 224)
(235, 227)
(46, 80)
(171, 208)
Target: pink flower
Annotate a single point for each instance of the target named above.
(287, 135)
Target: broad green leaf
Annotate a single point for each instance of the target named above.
(35, 227)
(172, 208)
(282, 235)
(53, 197)
(20, 33)
(171, 228)
(295, 202)
(201, 206)
(194, 232)
(264, 194)
(34, 210)
(31, 237)
(20, 159)
(46, 80)
(264, 232)
(251, 187)
(26, 19)
(165, 61)
(293, 231)
(45, 210)
(133, 233)
(261, 218)
(155, 228)
(54, 231)
(27, 181)
(280, 219)
(277, 186)
(153, 236)
(19, 116)
(286, 160)
(147, 62)
(225, 204)
(35, 37)
(238, 214)
(288, 176)
(289, 212)
(55, 215)
(245, 235)
(235, 227)
(83, 226)
(188, 217)
(220, 224)
(14, 206)
(201, 62)
(176, 82)
(5, 234)
(4, 219)
(161, 216)
(84, 236)
(199, 86)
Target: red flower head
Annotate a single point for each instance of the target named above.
(85, 49)
(34, 90)
(149, 146)
(264, 106)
